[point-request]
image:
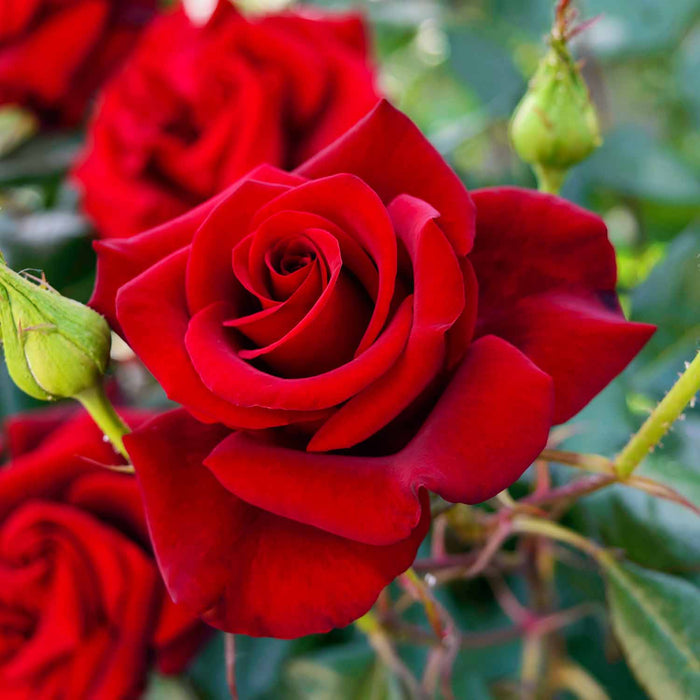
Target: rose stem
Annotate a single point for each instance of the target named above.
(102, 412)
(230, 655)
(659, 422)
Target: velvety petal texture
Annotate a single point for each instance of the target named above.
(196, 107)
(83, 609)
(547, 275)
(85, 40)
(344, 339)
(257, 572)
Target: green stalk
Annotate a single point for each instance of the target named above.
(549, 180)
(659, 422)
(102, 412)
(554, 531)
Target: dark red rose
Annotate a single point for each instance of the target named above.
(82, 605)
(54, 54)
(197, 107)
(344, 338)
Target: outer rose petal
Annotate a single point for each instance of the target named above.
(177, 637)
(578, 341)
(388, 152)
(528, 242)
(121, 260)
(362, 499)
(465, 451)
(462, 453)
(254, 572)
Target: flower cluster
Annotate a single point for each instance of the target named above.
(345, 328)
(82, 606)
(54, 54)
(197, 107)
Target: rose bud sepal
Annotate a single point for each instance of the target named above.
(555, 126)
(56, 347)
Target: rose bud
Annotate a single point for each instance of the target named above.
(198, 105)
(54, 346)
(83, 609)
(555, 126)
(344, 339)
(55, 55)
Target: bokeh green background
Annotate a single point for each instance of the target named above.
(458, 69)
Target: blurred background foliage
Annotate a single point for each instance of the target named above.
(458, 68)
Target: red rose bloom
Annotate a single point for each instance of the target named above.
(54, 54)
(341, 344)
(197, 107)
(82, 605)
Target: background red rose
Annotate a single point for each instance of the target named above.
(54, 54)
(82, 606)
(197, 107)
(340, 320)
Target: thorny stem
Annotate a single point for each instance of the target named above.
(607, 476)
(659, 422)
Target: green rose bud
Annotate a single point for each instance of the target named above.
(54, 346)
(555, 125)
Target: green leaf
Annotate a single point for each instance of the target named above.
(652, 532)
(656, 618)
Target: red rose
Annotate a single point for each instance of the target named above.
(197, 107)
(82, 605)
(350, 347)
(54, 54)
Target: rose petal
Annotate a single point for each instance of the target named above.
(439, 299)
(256, 573)
(209, 274)
(469, 448)
(528, 242)
(365, 500)
(403, 164)
(578, 341)
(215, 354)
(367, 221)
(119, 261)
(153, 312)
(23, 64)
